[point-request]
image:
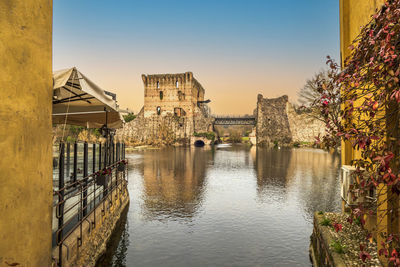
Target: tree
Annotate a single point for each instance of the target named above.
(321, 100)
(129, 117)
(309, 93)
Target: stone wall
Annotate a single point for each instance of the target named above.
(280, 123)
(321, 253)
(303, 126)
(272, 121)
(95, 236)
(171, 112)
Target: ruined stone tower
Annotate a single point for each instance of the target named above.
(177, 94)
(174, 109)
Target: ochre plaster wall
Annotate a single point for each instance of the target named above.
(353, 15)
(25, 132)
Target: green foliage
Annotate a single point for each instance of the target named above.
(129, 117)
(76, 129)
(326, 222)
(96, 132)
(235, 137)
(296, 144)
(276, 144)
(338, 247)
(71, 139)
(320, 213)
(209, 135)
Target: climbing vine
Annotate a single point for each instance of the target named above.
(369, 118)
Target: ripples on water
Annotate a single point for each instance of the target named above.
(224, 206)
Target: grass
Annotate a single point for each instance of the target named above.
(326, 222)
(338, 247)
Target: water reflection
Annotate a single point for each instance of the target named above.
(312, 173)
(174, 182)
(227, 206)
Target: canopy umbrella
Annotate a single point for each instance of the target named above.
(78, 101)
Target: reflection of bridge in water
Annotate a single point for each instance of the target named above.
(234, 120)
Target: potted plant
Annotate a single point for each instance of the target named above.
(121, 165)
(102, 176)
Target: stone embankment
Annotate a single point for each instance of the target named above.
(94, 236)
(340, 247)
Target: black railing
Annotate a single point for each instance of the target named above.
(77, 199)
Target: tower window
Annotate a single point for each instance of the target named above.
(158, 110)
(177, 84)
(158, 84)
(161, 95)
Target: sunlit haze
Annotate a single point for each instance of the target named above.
(236, 49)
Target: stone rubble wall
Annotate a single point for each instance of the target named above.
(279, 123)
(164, 129)
(303, 126)
(272, 121)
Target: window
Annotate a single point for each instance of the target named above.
(158, 84)
(158, 110)
(177, 84)
(161, 95)
(177, 112)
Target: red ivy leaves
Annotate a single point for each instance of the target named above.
(363, 254)
(395, 258)
(338, 227)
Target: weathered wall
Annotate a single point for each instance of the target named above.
(278, 121)
(95, 236)
(353, 15)
(272, 121)
(25, 132)
(304, 128)
(180, 114)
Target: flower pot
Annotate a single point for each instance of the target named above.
(121, 167)
(102, 179)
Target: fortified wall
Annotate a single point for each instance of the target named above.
(279, 122)
(174, 108)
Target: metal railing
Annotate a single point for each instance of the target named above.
(75, 201)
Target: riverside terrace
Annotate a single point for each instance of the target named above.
(86, 202)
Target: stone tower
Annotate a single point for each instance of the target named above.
(177, 94)
(173, 95)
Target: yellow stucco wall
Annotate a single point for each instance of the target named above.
(353, 15)
(25, 132)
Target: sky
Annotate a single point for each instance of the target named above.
(236, 49)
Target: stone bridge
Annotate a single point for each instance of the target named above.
(199, 141)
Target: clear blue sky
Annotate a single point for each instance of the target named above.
(236, 49)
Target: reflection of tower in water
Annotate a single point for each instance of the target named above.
(173, 181)
(271, 166)
(311, 175)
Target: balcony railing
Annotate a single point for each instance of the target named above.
(77, 194)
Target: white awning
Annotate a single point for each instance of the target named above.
(78, 101)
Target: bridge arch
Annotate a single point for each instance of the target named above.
(199, 143)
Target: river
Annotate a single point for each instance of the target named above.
(224, 206)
